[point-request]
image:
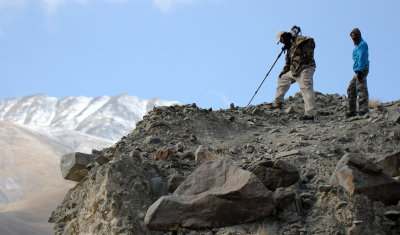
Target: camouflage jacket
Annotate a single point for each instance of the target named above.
(300, 55)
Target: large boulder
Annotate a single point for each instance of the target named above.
(73, 165)
(391, 163)
(359, 175)
(276, 174)
(217, 194)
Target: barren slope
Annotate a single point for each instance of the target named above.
(118, 193)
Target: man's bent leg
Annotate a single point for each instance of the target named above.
(283, 86)
(305, 81)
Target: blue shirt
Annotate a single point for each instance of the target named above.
(360, 56)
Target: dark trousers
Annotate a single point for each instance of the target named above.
(358, 87)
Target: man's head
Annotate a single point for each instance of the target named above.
(355, 34)
(284, 37)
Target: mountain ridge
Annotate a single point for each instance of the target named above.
(104, 116)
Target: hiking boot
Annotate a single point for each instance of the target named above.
(277, 105)
(306, 118)
(362, 113)
(350, 114)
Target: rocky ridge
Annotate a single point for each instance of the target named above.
(171, 143)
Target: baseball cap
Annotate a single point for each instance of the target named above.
(278, 36)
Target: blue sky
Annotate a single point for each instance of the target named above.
(209, 52)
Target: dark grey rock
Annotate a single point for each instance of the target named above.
(394, 114)
(152, 140)
(284, 199)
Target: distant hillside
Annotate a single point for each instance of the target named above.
(30, 215)
(105, 117)
(30, 158)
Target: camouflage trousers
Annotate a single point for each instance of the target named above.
(305, 81)
(358, 87)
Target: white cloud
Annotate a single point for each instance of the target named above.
(51, 6)
(166, 5)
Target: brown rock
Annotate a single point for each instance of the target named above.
(203, 199)
(361, 163)
(391, 163)
(154, 124)
(204, 154)
(276, 174)
(164, 154)
(355, 179)
(174, 181)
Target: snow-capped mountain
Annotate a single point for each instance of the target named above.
(35, 131)
(106, 117)
(51, 127)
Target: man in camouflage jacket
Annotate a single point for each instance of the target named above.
(299, 67)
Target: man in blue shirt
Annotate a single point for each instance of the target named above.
(358, 85)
